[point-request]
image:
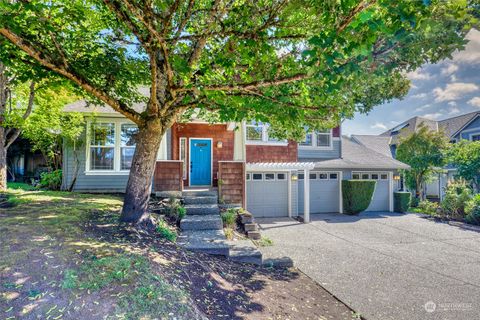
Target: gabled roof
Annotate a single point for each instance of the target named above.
(380, 144)
(407, 127)
(453, 125)
(357, 156)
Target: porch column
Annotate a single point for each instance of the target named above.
(306, 196)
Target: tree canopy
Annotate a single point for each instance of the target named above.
(425, 151)
(465, 156)
(292, 63)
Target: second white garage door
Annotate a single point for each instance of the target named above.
(324, 192)
(381, 195)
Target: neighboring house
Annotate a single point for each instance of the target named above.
(466, 126)
(267, 176)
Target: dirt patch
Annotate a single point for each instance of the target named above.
(70, 259)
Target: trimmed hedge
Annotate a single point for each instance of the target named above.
(357, 195)
(401, 201)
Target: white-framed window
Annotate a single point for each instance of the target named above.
(374, 176)
(128, 140)
(269, 176)
(257, 176)
(312, 176)
(301, 176)
(370, 175)
(323, 176)
(475, 137)
(318, 139)
(384, 176)
(356, 176)
(182, 150)
(365, 176)
(258, 133)
(281, 176)
(333, 176)
(110, 146)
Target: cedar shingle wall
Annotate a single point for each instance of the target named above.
(168, 176)
(232, 188)
(217, 132)
(266, 153)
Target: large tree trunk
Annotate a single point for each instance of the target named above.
(139, 183)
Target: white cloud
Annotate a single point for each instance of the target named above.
(454, 110)
(419, 96)
(433, 116)
(452, 104)
(453, 78)
(379, 125)
(418, 75)
(471, 54)
(449, 69)
(454, 91)
(474, 102)
(423, 108)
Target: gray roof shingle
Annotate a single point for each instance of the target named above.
(380, 144)
(357, 156)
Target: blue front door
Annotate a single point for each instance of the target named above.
(200, 162)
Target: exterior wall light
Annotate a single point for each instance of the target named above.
(219, 144)
(294, 177)
(396, 177)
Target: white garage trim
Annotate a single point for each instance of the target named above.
(340, 194)
(306, 196)
(390, 189)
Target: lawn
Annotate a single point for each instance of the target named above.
(65, 256)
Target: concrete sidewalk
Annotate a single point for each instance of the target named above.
(384, 265)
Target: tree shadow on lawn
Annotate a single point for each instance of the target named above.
(220, 288)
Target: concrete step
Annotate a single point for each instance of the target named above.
(207, 241)
(250, 227)
(244, 251)
(254, 235)
(202, 222)
(202, 209)
(200, 193)
(201, 200)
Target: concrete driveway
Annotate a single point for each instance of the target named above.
(384, 265)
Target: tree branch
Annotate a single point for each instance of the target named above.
(48, 63)
(359, 8)
(248, 85)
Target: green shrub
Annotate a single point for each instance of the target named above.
(176, 212)
(414, 202)
(229, 218)
(51, 180)
(457, 194)
(357, 195)
(428, 207)
(165, 232)
(401, 201)
(472, 210)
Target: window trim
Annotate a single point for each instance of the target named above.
(380, 173)
(314, 145)
(269, 180)
(185, 161)
(117, 122)
(264, 140)
(474, 135)
(284, 176)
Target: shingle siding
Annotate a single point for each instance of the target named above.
(472, 128)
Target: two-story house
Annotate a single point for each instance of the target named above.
(270, 177)
(466, 127)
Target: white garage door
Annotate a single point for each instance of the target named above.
(381, 196)
(324, 192)
(267, 194)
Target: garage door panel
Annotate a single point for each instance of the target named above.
(380, 199)
(324, 196)
(267, 198)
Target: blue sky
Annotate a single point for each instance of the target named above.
(438, 91)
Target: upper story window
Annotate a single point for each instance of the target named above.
(110, 146)
(475, 137)
(258, 133)
(318, 139)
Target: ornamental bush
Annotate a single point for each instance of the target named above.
(401, 201)
(472, 210)
(51, 180)
(357, 195)
(457, 194)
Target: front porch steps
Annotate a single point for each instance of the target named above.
(202, 229)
